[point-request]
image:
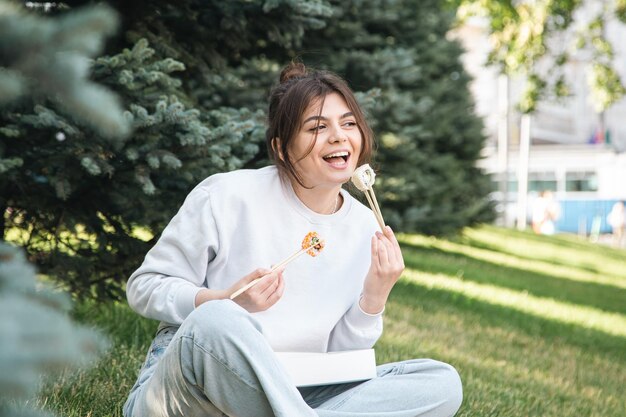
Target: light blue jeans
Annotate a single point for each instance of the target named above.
(218, 363)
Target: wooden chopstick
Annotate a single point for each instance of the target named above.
(375, 208)
(380, 213)
(275, 267)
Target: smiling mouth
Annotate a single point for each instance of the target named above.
(337, 158)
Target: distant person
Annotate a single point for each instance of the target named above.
(617, 220)
(546, 212)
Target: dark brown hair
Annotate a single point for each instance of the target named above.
(297, 89)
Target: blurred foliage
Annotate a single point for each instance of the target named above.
(37, 334)
(42, 58)
(537, 38)
(50, 58)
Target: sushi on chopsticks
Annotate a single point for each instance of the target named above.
(364, 178)
(311, 244)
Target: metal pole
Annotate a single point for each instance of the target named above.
(503, 145)
(522, 172)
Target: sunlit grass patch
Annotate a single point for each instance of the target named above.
(610, 323)
(556, 250)
(532, 259)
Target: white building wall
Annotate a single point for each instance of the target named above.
(560, 131)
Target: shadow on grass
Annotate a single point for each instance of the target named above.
(600, 296)
(407, 294)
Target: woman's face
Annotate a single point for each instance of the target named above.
(337, 143)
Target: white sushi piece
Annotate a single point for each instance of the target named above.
(364, 177)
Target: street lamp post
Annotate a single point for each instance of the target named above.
(522, 171)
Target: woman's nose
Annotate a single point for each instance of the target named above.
(338, 135)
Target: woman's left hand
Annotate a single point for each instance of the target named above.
(386, 267)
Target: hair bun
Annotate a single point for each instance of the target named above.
(293, 70)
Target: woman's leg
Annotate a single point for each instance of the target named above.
(219, 363)
(421, 387)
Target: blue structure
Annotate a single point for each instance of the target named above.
(583, 215)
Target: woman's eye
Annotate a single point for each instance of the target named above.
(317, 128)
(350, 124)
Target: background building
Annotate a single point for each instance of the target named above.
(576, 152)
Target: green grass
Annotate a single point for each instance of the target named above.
(535, 325)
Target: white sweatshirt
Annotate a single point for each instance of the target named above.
(233, 223)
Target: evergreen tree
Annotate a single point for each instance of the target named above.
(194, 78)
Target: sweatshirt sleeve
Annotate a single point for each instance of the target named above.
(356, 330)
(173, 271)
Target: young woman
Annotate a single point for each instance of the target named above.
(213, 356)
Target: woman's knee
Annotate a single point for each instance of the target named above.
(218, 319)
(439, 382)
(449, 387)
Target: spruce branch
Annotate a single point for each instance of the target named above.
(51, 57)
(39, 338)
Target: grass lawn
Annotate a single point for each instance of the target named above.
(535, 325)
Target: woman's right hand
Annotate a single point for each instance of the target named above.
(261, 295)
